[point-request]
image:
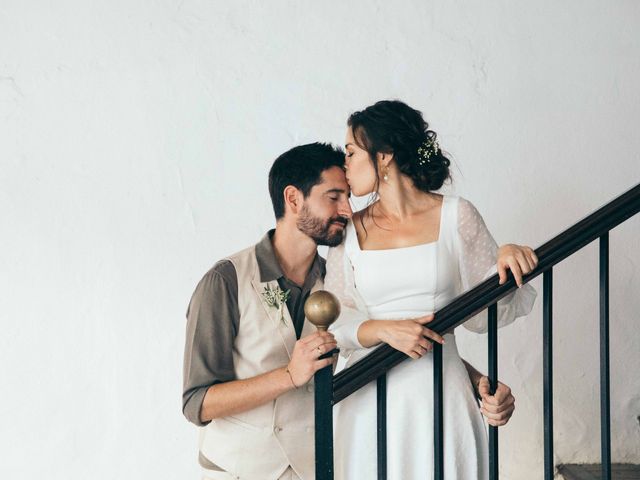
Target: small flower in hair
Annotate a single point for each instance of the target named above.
(428, 149)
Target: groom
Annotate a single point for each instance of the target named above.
(250, 354)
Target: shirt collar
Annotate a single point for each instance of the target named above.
(270, 268)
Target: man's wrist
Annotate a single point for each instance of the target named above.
(288, 372)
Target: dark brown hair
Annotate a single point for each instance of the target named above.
(301, 167)
(393, 127)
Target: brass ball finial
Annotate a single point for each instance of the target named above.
(322, 309)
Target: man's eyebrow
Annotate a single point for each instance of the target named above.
(336, 190)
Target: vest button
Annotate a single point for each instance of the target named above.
(277, 429)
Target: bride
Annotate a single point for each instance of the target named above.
(405, 256)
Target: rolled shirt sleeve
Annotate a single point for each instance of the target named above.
(212, 325)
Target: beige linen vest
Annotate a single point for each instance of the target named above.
(260, 444)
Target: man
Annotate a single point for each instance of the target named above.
(250, 354)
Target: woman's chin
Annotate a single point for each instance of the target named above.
(356, 192)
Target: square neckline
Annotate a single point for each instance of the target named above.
(433, 242)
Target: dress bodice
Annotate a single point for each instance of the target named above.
(407, 282)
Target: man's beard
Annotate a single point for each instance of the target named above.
(318, 229)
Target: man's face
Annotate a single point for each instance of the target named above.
(326, 209)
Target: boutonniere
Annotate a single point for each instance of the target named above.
(276, 298)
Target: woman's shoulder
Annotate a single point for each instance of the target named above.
(460, 205)
(466, 209)
(462, 214)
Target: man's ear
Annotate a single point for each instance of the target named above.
(292, 199)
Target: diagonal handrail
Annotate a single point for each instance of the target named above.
(383, 358)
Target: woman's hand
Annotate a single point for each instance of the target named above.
(409, 336)
(520, 259)
(496, 408)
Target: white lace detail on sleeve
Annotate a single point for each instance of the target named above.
(478, 253)
(339, 280)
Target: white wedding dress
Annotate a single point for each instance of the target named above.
(407, 283)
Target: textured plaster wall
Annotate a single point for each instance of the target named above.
(135, 139)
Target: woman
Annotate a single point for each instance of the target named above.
(405, 256)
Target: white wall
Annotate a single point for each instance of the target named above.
(135, 140)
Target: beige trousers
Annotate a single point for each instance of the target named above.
(288, 474)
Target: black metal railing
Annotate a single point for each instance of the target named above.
(485, 296)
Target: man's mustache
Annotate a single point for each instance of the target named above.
(342, 220)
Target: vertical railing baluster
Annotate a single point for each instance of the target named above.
(382, 426)
(438, 425)
(323, 385)
(605, 400)
(547, 368)
(493, 383)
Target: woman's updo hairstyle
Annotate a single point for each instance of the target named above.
(393, 127)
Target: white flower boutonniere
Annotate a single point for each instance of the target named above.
(276, 298)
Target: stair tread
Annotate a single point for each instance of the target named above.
(619, 471)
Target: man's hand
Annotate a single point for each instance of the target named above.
(304, 359)
(520, 259)
(499, 407)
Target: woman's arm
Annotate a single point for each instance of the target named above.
(479, 258)
(474, 376)
(409, 336)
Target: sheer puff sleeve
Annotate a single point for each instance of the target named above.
(477, 256)
(339, 280)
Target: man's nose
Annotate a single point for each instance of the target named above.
(345, 209)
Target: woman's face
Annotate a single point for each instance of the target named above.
(361, 175)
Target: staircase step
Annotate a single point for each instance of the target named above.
(619, 471)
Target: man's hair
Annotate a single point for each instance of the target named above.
(301, 167)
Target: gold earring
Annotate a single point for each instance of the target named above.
(385, 175)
